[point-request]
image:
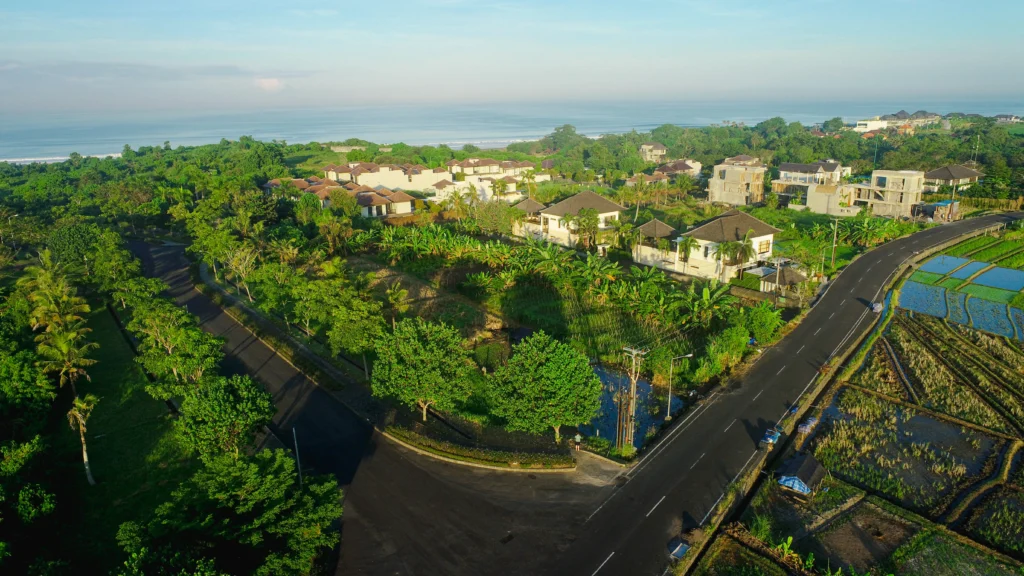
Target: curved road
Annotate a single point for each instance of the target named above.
(687, 472)
(405, 514)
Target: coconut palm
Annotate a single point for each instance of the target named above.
(79, 414)
(724, 253)
(744, 250)
(397, 301)
(686, 245)
(499, 187)
(64, 353)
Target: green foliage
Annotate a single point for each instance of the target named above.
(221, 415)
(422, 364)
(240, 516)
(763, 322)
(546, 384)
(72, 243)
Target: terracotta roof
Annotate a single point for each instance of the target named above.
(530, 206)
(300, 183)
(657, 229)
(443, 184)
(741, 158)
(789, 276)
(731, 227)
(314, 179)
(371, 199)
(954, 172)
(362, 188)
(342, 170)
(585, 199)
(328, 182)
(351, 185)
(325, 192)
(439, 170)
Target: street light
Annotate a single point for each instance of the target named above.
(671, 366)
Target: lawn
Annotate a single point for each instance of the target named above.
(132, 450)
(748, 281)
(312, 161)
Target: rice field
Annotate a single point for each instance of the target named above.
(989, 293)
(972, 245)
(1004, 278)
(926, 277)
(943, 264)
(996, 251)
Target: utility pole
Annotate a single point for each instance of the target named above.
(668, 403)
(627, 424)
(298, 462)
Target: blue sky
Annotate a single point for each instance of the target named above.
(67, 55)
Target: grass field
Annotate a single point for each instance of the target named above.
(925, 277)
(727, 557)
(132, 450)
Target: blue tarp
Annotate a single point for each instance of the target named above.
(795, 484)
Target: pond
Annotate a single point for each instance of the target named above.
(1002, 278)
(650, 410)
(943, 264)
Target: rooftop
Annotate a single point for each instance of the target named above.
(731, 227)
(585, 199)
(954, 172)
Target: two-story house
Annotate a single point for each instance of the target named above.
(554, 223)
(382, 203)
(959, 177)
(653, 151)
(738, 181)
(733, 226)
(673, 169)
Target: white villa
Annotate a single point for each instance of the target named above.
(392, 176)
(381, 203)
(732, 226)
(549, 223)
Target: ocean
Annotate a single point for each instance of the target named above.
(51, 137)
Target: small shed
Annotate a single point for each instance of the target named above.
(801, 474)
(656, 229)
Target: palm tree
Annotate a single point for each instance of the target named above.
(744, 250)
(686, 245)
(397, 301)
(64, 353)
(530, 178)
(724, 253)
(57, 307)
(458, 202)
(639, 192)
(499, 187)
(80, 411)
(587, 224)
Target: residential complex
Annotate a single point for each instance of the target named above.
(733, 226)
(677, 167)
(892, 193)
(738, 181)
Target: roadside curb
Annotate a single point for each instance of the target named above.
(517, 469)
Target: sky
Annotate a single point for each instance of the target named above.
(104, 55)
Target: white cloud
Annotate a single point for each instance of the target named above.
(269, 84)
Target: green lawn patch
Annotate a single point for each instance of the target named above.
(134, 456)
(989, 293)
(996, 251)
(748, 281)
(925, 277)
(950, 283)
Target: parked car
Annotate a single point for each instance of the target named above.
(677, 549)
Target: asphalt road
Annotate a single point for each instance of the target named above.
(687, 472)
(404, 513)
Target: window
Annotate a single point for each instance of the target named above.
(707, 252)
(721, 174)
(881, 181)
(764, 246)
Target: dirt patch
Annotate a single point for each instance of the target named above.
(863, 538)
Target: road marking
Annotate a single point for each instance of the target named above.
(655, 506)
(736, 477)
(603, 563)
(758, 394)
(780, 370)
(801, 349)
(669, 438)
(691, 468)
(844, 301)
(818, 330)
(859, 279)
(706, 515)
(829, 317)
(729, 426)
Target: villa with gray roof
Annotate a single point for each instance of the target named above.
(553, 222)
(959, 177)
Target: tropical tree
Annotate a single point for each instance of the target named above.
(546, 384)
(397, 301)
(242, 264)
(724, 252)
(686, 245)
(355, 327)
(222, 415)
(64, 352)
(587, 222)
(246, 515)
(744, 250)
(78, 415)
(422, 364)
(499, 187)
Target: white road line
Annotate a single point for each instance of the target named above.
(729, 426)
(705, 516)
(801, 349)
(843, 302)
(758, 394)
(655, 506)
(603, 563)
(734, 478)
(829, 317)
(780, 370)
(691, 466)
(672, 435)
(818, 330)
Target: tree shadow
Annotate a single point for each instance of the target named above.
(756, 430)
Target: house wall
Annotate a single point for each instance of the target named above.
(831, 203)
(400, 208)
